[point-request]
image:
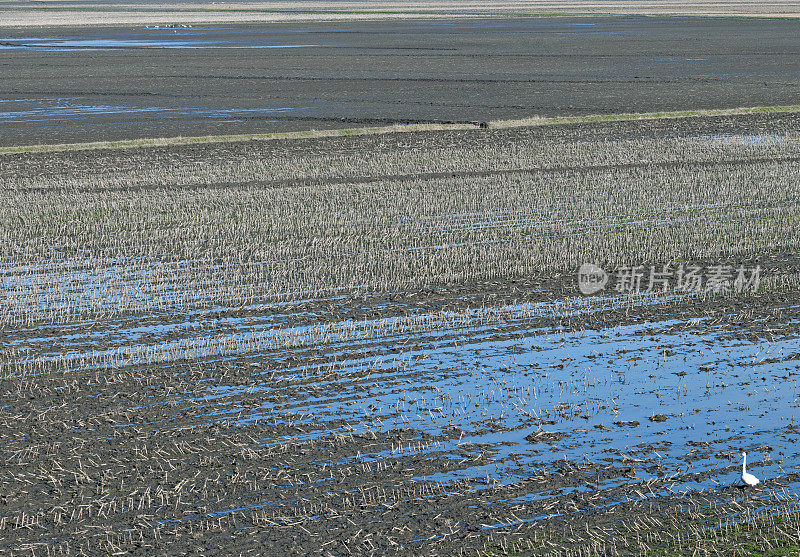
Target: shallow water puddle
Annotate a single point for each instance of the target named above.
(252, 335)
(153, 39)
(83, 109)
(687, 400)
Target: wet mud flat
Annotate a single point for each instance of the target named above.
(376, 345)
(317, 452)
(73, 84)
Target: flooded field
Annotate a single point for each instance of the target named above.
(162, 79)
(374, 345)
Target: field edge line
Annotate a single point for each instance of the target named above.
(529, 122)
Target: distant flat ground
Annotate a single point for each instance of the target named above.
(120, 12)
(82, 83)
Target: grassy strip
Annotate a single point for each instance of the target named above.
(402, 128)
(623, 117)
(164, 141)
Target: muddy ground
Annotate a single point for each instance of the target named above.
(510, 414)
(194, 457)
(63, 84)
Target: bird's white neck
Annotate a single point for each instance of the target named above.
(744, 463)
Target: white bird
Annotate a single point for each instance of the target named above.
(747, 478)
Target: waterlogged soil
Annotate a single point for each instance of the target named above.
(467, 417)
(65, 84)
(540, 435)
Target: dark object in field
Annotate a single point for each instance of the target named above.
(658, 418)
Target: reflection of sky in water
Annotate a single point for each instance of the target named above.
(241, 336)
(117, 43)
(79, 110)
(732, 396)
(715, 386)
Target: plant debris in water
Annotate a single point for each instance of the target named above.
(374, 345)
